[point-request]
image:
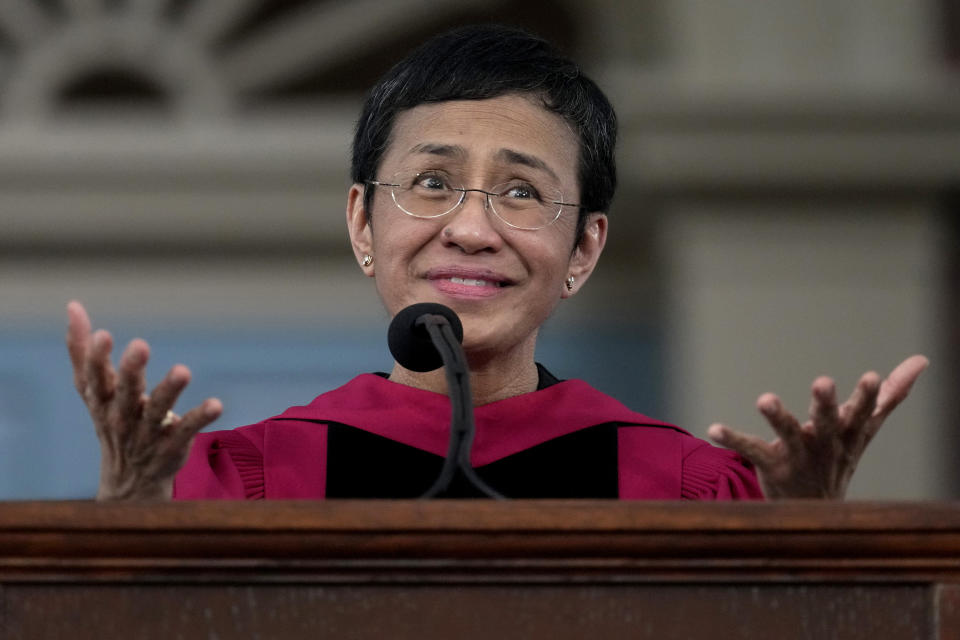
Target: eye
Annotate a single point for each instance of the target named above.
(431, 181)
(519, 191)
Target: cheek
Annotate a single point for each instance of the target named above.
(398, 241)
(397, 236)
(560, 237)
(549, 254)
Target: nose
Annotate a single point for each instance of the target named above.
(471, 227)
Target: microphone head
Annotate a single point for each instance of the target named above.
(410, 344)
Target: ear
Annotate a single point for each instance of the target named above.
(587, 252)
(358, 225)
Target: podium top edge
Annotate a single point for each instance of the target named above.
(600, 516)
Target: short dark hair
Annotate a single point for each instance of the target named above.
(486, 61)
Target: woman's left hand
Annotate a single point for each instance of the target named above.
(818, 458)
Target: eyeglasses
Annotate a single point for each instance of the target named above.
(431, 194)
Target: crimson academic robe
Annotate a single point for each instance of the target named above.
(373, 438)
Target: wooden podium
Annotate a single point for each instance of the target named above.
(479, 569)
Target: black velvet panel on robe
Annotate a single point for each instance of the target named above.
(582, 464)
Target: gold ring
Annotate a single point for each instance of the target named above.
(169, 419)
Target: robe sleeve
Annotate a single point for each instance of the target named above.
(711, 473)
(224, 465)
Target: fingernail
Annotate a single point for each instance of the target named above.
(212, 408)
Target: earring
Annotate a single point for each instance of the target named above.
(367, 260)
(570, 282)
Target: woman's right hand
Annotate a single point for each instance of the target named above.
(142, 442)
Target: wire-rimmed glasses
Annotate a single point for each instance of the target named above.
(431, 194)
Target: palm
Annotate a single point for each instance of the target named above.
(816, 459)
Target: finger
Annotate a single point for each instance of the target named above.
(198, 418)
(131, 378)
(165, 394)
(78, 339)
(99, 373)
(781, 421)
(823, 406)
(895, 388)
(754, 449)
(862, 402)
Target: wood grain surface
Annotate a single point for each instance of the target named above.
(477, 568)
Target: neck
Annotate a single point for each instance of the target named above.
(491, 379)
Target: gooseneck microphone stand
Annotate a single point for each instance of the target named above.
(462, 426)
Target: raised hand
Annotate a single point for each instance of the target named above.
(142, 442)
(818, 458)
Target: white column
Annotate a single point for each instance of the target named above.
(765, 296)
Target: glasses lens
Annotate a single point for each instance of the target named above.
(523, 206)
(425, 195)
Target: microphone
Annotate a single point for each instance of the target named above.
(410, 342)
(424, 337)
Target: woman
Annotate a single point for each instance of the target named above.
(483, 168)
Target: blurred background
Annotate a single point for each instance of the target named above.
(789, 207)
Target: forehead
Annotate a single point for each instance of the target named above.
(485, 133)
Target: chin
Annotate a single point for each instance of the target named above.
(475, 340)
(479, 335)
(489, 341)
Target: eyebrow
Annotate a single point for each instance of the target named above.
(509, 156)
(516, 157)
(433, 148)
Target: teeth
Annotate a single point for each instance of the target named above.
(469, 281)
(473, 283)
